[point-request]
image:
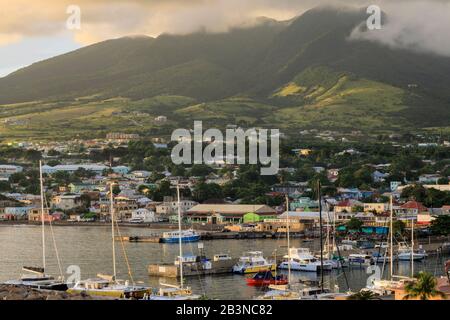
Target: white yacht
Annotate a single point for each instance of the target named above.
(252, 262)
(405, 254)
(301, 259)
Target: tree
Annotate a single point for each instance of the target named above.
(53, 163)
(33, 155)
(443, 180)
(116, 189)
(5, 186)
(398, 227)
(205, 191)
(354, 224)
(200, 170)
(161, 191)
(441, 225)
(363, 295)
(85, 200)
(423, 287)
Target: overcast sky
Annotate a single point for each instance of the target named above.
(31, 31)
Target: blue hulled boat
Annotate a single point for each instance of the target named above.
(185, 235)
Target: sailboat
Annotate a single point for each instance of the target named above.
(336, 260)
(387, 286)
(36, 277)
(171, 292)
(110, 286)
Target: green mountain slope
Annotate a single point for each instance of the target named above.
(298, 74)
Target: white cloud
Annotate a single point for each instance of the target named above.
(421, 26)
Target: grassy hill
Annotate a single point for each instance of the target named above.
(302, 73)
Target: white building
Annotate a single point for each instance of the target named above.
(171, 207)
(161, 119)
(71, 168)
(143, 215)
(8, 170)
(66, 202)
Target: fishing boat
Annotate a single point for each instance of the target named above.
(106, 285)
(301, 259)
(185, 236)
(36, 277)
(266, 278)
(252, 262)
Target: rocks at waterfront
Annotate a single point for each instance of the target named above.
(13, 292)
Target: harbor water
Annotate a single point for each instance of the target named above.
(90, 249)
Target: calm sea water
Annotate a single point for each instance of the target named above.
(90, 249)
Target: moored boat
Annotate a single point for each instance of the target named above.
(252, 262)
(185, 236)
(36, 278)
(301, 259)
(405, 254)
(360, 259)
(104, 287)
(266, 278)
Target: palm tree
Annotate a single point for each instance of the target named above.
(364, 295)
(423, 287)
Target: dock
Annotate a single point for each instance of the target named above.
(149, 239)
(214, 236)
(191, 269)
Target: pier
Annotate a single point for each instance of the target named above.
(214, 236)
(192, 268)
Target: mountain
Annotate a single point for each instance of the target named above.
(305, 72)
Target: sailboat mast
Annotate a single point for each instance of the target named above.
(111, 203)
(412, 247)
(320, 225)
(333, 245)
(391, 237)
(42, 215)
(179, 236)
(288, 238)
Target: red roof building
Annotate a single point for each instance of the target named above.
(414, 207)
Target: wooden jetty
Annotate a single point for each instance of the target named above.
(197, 268)
(150, 239)
(214, 236)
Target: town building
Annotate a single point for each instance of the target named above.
(143, 215)
(170, 207)
(376, 207)
(228, 213)
(96, 168)
(66, 202)
(8, 170)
